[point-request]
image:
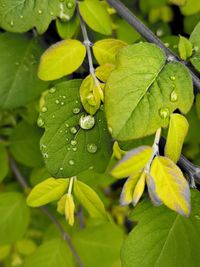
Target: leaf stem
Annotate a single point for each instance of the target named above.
(24, 184)
(145, 32)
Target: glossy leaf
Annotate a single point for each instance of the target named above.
(14, 218)
(47, 191)
(105, 50)
(140, 77)
(98, 21)
(133, 162)
(61, 59)
(185, 48)
(170, 185)
(90, 200)
(67, 148)
(23, 15)
(178, 128)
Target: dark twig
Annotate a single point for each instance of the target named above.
(22, 181)
(145, 32)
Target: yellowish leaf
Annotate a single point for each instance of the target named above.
(171, 186)
(104, 71)
(105, 50)
(69, 209)
(139, 189)
(61, 59)
(152, 190)
(61, 205)
(133, 162)
(178, 128)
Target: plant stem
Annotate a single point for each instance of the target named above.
(22, 181)
(145, 32)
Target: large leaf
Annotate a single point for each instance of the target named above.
(61, 59)
(14, 217)
(23, 15)
(67, 148)
(98, 21)
(195, 40)
(140, 92)
(178, 128)
(170, 185)
(163, 238)
(47, 191)
(18, 70)
(50, 254)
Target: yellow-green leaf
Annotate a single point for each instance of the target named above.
(133, 162)
(152, 190)
(128, 189)
(171, 186)
(178, 128)
(96, 16)
(139, 189)
(69, 209)
(178, 2)
(5, 251)
(104, 71)
(47, 191)
(61, 205)
(105, 50)
(61, 59)
(90, 200)
(184, 48)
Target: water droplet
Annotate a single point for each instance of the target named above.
(64, 97)
(53, 116)
(92, 148)
(45, 155)
(174, 96)
(76, 110)
(74, 149)
(43, 146)
(173, 78)
(51, 13)
(21, 16)
(62, 103)
(70, 5)
(76, 101)
(164, 113)
(40, 11)
(52, 90)
(71, 162)
(73, 142)
(61, 168)
(73, 130)
(17, 63)
(67, 125)
(57, 101)
(91, 168)
(68, 148)
(11, 23)
(40, 122)
(159, 32)
(87, 122)
(197, 217)
(91, 99)
(61, 131)
(44, 109)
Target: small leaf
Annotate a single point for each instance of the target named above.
(105, 50)
(104, 71)
(25, 246)
(134, 161)
(4, 252)
(152, 190)
(178, 128)
(69, 209)
(90, 200)
(45, 192)
(139, 188)
(171, 186)
(4, 166)
(61, 59)
(185, 48)
(67, 29)
(98, 21)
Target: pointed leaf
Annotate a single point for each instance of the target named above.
(134, 161)
(61, 59)
(139, 189)
(69, 209)
(185, 48)
(103, 72)
(47, 191)
(171, 186)
(152, 190)
(178, 128)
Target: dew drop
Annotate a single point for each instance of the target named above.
(76, 110)
(61, 131)
(21, 16)
(61, 168)
(74, 149)
(87, 122)
(70, 5)
(45, 155)
(67, 125)
(164, 113)
(73, 130)
(68, 148)
(92, 148)
(51, 13)
(40, 11)
(57, 101)
(52, 90)
(76, 101)
(174, 96)
(91, 168)
(44, 109)
(73, 142)
(173, 78)
(43, 146)
(53, 116)
(71, 162)
(66, 131)
(64, 97)
(40, 122)
(62, 103)
(11, 23)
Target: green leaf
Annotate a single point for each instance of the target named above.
(133, 162)
(164, 237)
(178, 2)
(105, 50)
(18, 61)
(178, 128)
(50, 254)
(68, 29)
(98, 21)
(14, 217)
(25, 246)
(100, 245)
(143, 89)
(103, 72)
(47, 191)
(170, 185)
(25, 146)
(4, 166)
(191, 7)
(23, 15)
(195, 40)
(67, 148)
(90, 200)
(4, 252)
(61, 59)
(184, 47)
